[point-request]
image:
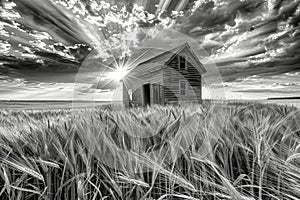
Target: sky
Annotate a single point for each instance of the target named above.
(59, 49)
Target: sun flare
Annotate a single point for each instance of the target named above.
(118, 74)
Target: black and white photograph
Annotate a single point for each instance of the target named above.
(150, 99)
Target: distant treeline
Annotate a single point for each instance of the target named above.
(276, 98)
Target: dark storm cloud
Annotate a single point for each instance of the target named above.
(47, 31)
(41, 37)
(212, 16)
(53, 19)
(248, 37)
(48, 36)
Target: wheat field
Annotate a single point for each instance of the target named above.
(209, 151)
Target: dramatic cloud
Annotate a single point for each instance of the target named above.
(248, 37)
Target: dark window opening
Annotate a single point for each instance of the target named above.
(146, 91)
(182, 63)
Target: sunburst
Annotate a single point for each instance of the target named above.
(118, 73)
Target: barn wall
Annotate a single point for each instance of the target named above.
(137, 99)
(172, 77)
(156, 92)
(155, 77)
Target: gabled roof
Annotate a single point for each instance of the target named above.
(159, 58)
(165, 56)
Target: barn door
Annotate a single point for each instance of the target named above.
(146, 94)
(156, 93)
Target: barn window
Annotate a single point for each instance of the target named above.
(182, 63)
(182, 88)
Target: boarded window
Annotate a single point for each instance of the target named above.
(182, 63)
(182, 88)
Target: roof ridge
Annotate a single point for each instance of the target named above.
(167, 51)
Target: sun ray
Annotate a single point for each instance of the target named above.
(137, 58)
(110, 81)
(133, 76)
(118, 74)
(107, 66)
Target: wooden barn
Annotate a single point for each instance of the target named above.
(167, 77)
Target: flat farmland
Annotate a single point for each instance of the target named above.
(235, 150)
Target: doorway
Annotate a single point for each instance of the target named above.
(146, 94)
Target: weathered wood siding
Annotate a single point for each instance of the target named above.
(154, 78)
(173, 75)
(137, 98)
(156, 92)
